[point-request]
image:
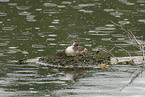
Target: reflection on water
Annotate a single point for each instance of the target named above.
(73, 75)
(31, 28)
(37, 80)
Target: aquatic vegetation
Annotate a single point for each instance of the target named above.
(137, 44)
(91, 58)
(103, 66)
(133, 38)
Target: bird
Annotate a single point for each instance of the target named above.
(75, 50)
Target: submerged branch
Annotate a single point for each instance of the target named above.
(136, 74)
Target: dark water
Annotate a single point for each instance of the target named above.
(35, 28)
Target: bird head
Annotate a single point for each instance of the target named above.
(75, 44)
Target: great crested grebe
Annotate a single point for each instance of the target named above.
(75, 50)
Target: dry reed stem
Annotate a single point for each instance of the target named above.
(138, 45)
(132, 38)
(125, 50)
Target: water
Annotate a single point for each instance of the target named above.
(35, 28)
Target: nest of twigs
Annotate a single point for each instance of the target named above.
(92, 58)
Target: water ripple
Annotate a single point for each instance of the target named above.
(25, 52)
(3, 44)
(52, 35)
(13, 51)
(87, 38)
(99, 34)
(12, 4)
(108, 10)
(104, 28)
(26, 33)
(30, 18)
(124, 22)
(116, 14)
(73, 23)
(51, 26)
(126, 2)
(88, 45)
(50, 4)
(1, 54)
(106, 39)
(24, 13)
(66, 2)
(8, 28)
(3, 14)
(86, 5)
(51, 39)
(121, 39)
(141, 1)
(41, 50)
(55, 22)
(25, 71)
(21, 75)
(86, 11)
(61, 6)
(141, 10)
(38, 9)
(22, 38)
(142, 20)
(52, 44)
(118, 35)
(38, 46)
(22, 7)
(109, 25)
(4, 0)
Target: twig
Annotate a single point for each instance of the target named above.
(136, 74)
(132, 38)
(130, 34)
(111, 49)
(138, 45)
(108, 52)
(124, 50)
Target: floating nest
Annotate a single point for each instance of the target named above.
(91, 58)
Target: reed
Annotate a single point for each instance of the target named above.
(132, 37)
(139, 45)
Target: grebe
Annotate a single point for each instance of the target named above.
(75, 50)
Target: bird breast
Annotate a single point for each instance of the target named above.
(70, 51)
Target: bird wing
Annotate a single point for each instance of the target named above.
(80, 48)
